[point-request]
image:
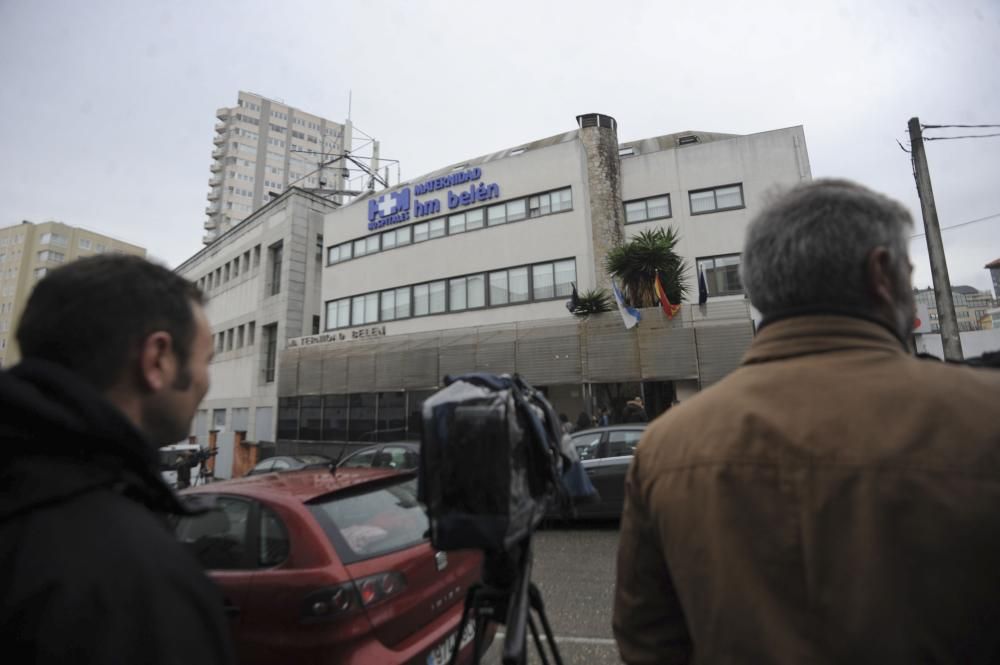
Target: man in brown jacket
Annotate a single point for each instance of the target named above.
(834, 499)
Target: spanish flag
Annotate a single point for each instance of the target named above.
(668, 308)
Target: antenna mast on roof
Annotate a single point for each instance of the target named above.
(354, 159)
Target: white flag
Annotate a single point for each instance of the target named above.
(630, 315)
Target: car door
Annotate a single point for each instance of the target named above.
(219, 539)
(588, 446)
(618, 452)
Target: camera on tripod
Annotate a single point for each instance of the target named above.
(493, 457)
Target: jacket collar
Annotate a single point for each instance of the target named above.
(809, 334)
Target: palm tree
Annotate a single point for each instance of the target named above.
(592, 302)
(635, 263)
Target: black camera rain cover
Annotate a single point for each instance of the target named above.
(488, 464)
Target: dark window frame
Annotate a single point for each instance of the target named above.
(714, 190)
(710, 283)
(645, 200)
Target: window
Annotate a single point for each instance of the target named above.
(225, 273)
(53, 239)
(643, 210)
(250, 333)
(562, 200)
(236, 266)
(338, 313)
(722, 275)
(623, 443)
(456, 224)
(421, 232)
(218, 538)
(315, 324)
(496, 215)
(84, 243)
(338, 253)
(256, 256)
(395, 304)
(516, 210)
(437, 228)
(274, 546)
(270, 332)
(364, 309)
(474, 219)
(437, 297)
(49, 255)
(729, 197)
(543, 283)
(229, 340)
(274, 253)
(421, 300)
(466, 292)
(239, 336)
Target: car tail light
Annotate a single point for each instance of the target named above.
(375, 588)
(332, 603)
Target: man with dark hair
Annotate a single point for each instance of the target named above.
(834, 499)
(115, 362)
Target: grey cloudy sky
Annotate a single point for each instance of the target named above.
(109, 106)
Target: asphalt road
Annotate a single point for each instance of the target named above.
(575, 571)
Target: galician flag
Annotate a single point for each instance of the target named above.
(630, 315)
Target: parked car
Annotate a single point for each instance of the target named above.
(400, 455)
(324, 566)
(605, 453)
(290, 463)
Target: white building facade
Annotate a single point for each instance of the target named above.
(469, 268)
(261, 281)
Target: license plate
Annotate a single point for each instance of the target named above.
(441, 654)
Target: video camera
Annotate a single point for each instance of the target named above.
(493, 458)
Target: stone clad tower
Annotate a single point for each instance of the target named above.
(599, 135)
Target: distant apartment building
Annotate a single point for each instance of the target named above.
(972, 308)
(263, 147)
(27, 252)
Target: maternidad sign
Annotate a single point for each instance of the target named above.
(336, 336)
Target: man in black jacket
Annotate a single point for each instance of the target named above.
(115, 362)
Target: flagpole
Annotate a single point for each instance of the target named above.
(697, 356)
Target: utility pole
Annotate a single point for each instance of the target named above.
(950, 340)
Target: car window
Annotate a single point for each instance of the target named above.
(623, 443)
(263, 467)
(218, 538)
(363, 459)
(374, 521)
(280, 465)
(398, 457)
(586, 444)
(274, 545)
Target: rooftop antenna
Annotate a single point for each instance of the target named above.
(350, 94)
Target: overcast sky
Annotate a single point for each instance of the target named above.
(109, 107)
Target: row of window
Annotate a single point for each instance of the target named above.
(497, 288)
(11, 240)
(235, 338)
(231, 269)
(469, 220)
(700, 201)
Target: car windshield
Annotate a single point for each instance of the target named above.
(586, 444)
(373, 521)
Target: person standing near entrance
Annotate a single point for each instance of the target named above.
(115, 362)
(635, 411)
(834, 499)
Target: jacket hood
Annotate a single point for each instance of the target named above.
(62, 438)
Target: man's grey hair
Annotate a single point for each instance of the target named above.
(809, 247)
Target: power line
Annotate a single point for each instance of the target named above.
(955, 226)
(965, 126)
(950, 138)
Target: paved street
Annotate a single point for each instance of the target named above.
(575, 570)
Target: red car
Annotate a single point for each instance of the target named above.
(331, 567)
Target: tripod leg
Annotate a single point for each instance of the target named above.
(537, 640)
(535, 599)
(470, 601)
